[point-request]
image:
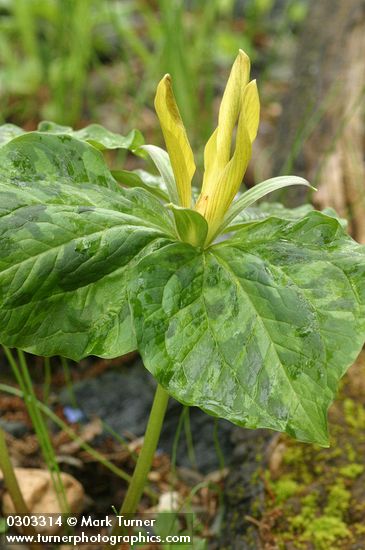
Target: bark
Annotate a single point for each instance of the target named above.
(323, 118)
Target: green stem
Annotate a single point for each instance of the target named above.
(12, 486)
(10, 480)
(47, 379)
(144, 462)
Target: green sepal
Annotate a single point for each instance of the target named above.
(266, 210)
(162, 162)
(256, 193)
(191, 226)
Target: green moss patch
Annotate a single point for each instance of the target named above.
(317, 495)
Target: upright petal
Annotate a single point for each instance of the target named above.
(224, 173)
(230, 106)
(177, 143)
(210, 158)
(251, 108)
(217, 151)
(214, 203)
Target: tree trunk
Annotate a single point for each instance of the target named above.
(323, 120)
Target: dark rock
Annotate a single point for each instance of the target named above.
(15, 428)
(122, 399)
(244, 489)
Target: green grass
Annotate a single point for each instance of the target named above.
(96, 455)
(23, 378)
(60, 59)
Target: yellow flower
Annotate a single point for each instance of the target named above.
(177, 143)
(225, 158)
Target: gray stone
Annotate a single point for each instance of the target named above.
(122, 399)
(15, 428)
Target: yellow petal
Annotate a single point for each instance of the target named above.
(217, 151)
(215, 201)
(210, 157)
(230, 107)
(177, 143)
(224, 173)
(251, 108)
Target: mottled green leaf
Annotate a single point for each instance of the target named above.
(258, 329)
(69, 237)
(96, 135)
(37, 157)
(143, 179)
(333, 214)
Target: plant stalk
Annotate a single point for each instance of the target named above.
(12, 486)
(144, 462)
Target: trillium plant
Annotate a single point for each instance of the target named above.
(252, 313)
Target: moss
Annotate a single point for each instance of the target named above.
(322, 506)
(285, 488)
(293, 455)
(354, 414)
(359, 528)
(321, 527)
(336, 453)
(310, 501)
(329, 527)
(352, 471)
(351, 454)
(296, 456)
(338, 501)
(307, 513)
(358, 509)
(325, 531)
(318, 469)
